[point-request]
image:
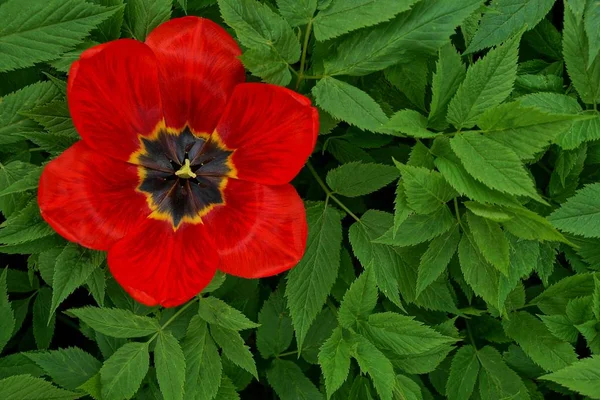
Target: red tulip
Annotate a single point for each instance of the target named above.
(183, 168)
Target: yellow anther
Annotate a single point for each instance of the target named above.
(185, 171)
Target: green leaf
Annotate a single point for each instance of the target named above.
(487, 83)
(297, 12)
(203, 367)
(357, 179)
(170, 366)
(383, 259)
(528, 225)
(275, 333)
(596, 298)
(318, 333)
(582, 376)
(373, 362)
(122, 374)
(400, 335)
(463, 374)
(265, 63)
(560, 327)
(538, 343)
(457, 176)
(43, 321)
(581, 213)
(309, 283)
(334, 359)
(343, 16)
(496, 379)
(423, 29)
(525, 130)
(481, 276)
(110, 29)
(411, 79)
(54, 117)
(401, 208)
(13, 105)
(506, 18)
(24, 225)
(227, 390)
(407, 389)
(449, 74)
(216, 311)
(359, 300)
(234, 348)
(27, 183)
(70, 367)
(490, 241)
(490, 212)
(591, 20)
(349, 103)
(426, 190)
(73, 267)
(6, 313)
(45, 30)
(116, 322)
(437, 257)
(554, 299)
(583, 71)
(493, 164)
(258, 27)
(63, 64)
(409, 122)
(418, 228)
(26, 387)
(290, 383)
(142, 16)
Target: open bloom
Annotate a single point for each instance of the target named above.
(183, 168)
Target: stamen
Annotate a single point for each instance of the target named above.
(185, 171)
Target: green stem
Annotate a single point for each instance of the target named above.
(470, 334)
(457, 211)
(328, 192)
(304, 52)
(288, 353)
(174, 316)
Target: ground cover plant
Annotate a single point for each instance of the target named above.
(452, 201)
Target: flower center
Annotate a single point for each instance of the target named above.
(182, 174)
(185, 171)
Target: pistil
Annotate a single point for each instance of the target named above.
(185, 171)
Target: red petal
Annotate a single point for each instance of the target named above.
(157, 265)
(113, 96)
(89, 198)
(272, 129)
(261, 231)
(199, 68)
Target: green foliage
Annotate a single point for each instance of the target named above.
(341, 17)
(310, 282)
(357, 179)
(580, 214)
(45, 30)
(487, 83)
(451, 203)
(349, 104)
(581, 376)
(142, 16)
(505, 18)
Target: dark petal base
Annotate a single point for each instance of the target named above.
(178, 199)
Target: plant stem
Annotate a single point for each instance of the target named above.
(328, 192)
(287, 353)
(174, 316)
(457, 211)
(304, 51)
